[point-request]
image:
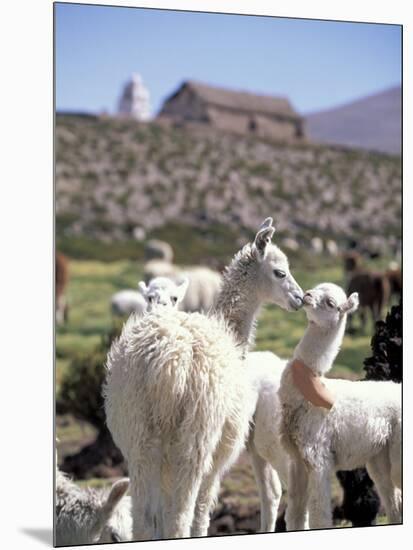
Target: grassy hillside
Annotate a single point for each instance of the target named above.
(114, 176)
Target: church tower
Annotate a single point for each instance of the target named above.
(135, 100)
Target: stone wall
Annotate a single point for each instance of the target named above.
(263, 126)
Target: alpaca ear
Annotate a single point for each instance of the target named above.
(351, 305)
(182, 288)
(266, 223)
(143, 288)
(117, 491)
(263, 239)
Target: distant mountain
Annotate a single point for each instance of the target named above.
(373, 122)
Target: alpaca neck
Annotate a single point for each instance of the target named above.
(319, 346)
(238, 301)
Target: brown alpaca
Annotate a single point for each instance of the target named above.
(394, 276)
(62, 277)
(373, 288)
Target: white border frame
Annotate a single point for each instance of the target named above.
(26, 217)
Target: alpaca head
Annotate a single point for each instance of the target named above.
(94, 515)
(274, 283)
(112, 526)
(162, 291)
(327, 304)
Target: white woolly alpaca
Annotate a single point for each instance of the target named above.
(162, 291)
(126, 302)
(203, 288)
(87, 516)
(178, 397)
(363, 428)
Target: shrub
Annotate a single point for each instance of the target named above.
(81, 395)
(81, 387)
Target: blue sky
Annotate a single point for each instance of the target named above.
(316, 64)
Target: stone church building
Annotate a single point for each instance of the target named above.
(239, 112)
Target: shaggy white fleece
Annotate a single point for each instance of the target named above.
(363, 428)
(87, 516)
(177, 417)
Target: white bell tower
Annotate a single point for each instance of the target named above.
(135, 100)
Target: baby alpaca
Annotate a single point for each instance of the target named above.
(363, 427)
(162, 291)
(87, 516)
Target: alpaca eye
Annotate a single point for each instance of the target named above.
(150, 299)
(331, 303)
(279, 273)
(174, 299)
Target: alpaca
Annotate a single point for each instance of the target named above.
(62, 278)
(125, 302)
(203, 288)
(178, 397)
(158, 250)
(331, 247)
(372, 287)
(269, 460)
(363, 427)
(361, 503)
(160, 290)
(87, 516)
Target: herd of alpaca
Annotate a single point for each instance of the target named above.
(201, 293)
(185, 395)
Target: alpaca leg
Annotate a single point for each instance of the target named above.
(227, 452)
(379, 469)
(269, 488)
(321, 515)
(296, 516)
(145, 470)
(141, 514)
(206, 500)
(376, 312)
(179, 507)
(363, 320)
